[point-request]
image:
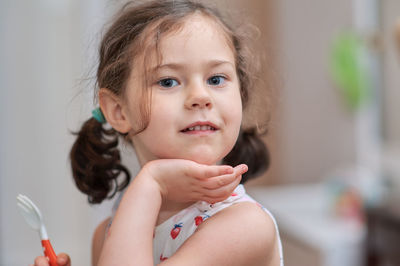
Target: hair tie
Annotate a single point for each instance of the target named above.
(98, 115)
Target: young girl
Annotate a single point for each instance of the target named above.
(173, 79)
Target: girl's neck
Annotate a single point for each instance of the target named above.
(169, 209)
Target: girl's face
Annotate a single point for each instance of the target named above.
(196, 108)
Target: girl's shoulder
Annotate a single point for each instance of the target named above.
(243, 231)
(238, 226)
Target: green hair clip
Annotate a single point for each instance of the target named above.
(98, 115)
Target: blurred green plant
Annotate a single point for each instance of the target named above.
(349, 69)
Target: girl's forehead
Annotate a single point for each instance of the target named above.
(197, 24)
(198, 34)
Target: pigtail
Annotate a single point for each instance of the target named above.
(96, 162)
(251, 150)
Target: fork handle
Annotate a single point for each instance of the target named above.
(49, 252)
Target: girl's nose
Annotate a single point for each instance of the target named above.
(198, 97)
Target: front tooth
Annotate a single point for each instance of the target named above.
(204, 128)
(197, 128)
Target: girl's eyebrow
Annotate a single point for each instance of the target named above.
(178, 66)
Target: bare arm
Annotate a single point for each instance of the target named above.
(98, 240)
(130, 238)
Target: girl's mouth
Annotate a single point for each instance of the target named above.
(200, 126)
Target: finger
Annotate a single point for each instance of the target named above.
(41, 261)
(63, 259)
(217, 181)
(221, 193)
(207, 171)
(220, 181)
(241, 169)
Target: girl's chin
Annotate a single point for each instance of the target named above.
(205, 158)
(206, 161)
(203, 155)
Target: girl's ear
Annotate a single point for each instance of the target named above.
(113, 111)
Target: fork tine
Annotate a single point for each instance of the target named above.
(25, 198)
(23, 208)
(24, 202)
(29, 216)
(20, 198)
(32, 205)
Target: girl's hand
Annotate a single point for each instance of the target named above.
(187, 181)
(62, 260)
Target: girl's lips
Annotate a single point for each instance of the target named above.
(199, 132)
(200, 126)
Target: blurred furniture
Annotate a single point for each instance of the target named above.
(383, 240)
(312, 235)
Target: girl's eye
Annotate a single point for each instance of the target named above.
(216, 80)
(168, 83)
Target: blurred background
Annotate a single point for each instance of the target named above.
(334, 134)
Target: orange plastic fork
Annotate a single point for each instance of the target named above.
(33, 217)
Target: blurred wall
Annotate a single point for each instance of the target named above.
(44, 49)
(391, 56)
(316, 132)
